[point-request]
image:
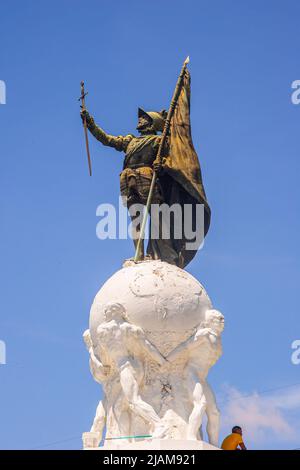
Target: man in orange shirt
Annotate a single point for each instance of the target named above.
(235, 440)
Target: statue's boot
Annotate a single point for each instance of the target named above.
(136, 235)
(141, 250)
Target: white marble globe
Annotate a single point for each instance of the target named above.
(164, 300)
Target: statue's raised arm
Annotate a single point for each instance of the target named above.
(119, 142)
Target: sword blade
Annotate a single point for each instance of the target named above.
(87, 147)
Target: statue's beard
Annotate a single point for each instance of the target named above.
(141, 127)
(145, 129)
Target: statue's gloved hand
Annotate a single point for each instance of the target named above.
(85, 115)
(157, 166)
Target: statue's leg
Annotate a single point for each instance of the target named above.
(213, 416)
(160, 245)
(99, 420)
(199, 405)
(136, 228)
(134, 195)
(123, 415)
(130, 388)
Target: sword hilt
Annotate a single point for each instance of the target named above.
(83, 96)
(83, 93)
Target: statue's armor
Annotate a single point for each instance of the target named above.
(140, 155)
(141, 151)
(136, 177)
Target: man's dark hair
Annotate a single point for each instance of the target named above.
(236, 428)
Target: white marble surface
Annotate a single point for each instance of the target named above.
(152, 339)
(159, 444)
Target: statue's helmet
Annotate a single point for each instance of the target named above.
(157, 118)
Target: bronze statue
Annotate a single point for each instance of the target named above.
(160, 168)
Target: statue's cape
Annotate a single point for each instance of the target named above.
(182, 178)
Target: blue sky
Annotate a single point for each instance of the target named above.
(244, 58)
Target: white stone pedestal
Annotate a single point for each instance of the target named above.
(155, 444)
(153, 337)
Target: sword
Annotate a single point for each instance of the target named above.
(82, 99)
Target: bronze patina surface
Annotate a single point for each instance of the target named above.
(175, 176)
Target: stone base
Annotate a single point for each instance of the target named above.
(155, 444)
(162, 326)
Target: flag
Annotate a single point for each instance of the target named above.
(182, 180)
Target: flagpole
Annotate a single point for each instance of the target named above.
(159, 155)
